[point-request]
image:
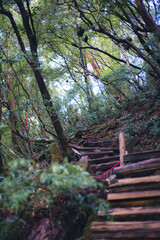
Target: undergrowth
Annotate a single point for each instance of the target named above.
(137, 116)
(65, 190)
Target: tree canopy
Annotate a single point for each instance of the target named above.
(64, 66)
(64, 59)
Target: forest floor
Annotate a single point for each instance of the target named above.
(140, 123)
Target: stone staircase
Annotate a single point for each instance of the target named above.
(134, 195)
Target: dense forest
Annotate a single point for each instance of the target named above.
(69, 69)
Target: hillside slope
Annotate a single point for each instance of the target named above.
(138, 119)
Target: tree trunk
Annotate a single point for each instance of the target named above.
(84, 67)
(1, 165)
(34, 64)
(16, 142)
(12, 110)
(147, 18)
(51, 112)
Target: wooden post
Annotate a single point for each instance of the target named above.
(122, 147)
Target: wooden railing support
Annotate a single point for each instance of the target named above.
(122, 147)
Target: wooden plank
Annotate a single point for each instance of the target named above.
(103, 166)
(126, 230)
(81, 148)
(138, 167)
(136, 184)
(133, 210)
(134, 213)
(140, 156)
(97, 154)
(134, 195)
(128, 181)
(145, 202)
(135, 187)
(104, 159)
(118, 226)
(122, 147)
(99, 144)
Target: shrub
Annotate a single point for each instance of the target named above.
(64, 188)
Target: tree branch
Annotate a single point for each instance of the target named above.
(109, 55)
(38, 140)
(13, 23)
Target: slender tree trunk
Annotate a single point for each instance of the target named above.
(1, 162)
(130, 69)
(12, 107)
(52, 114)
(17, 144)
(88, 92)
(84, 67)
(34, 64)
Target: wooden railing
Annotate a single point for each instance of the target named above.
(122, 147)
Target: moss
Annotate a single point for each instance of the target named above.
(56, 154)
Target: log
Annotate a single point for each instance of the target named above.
(37, 140)
(140, 156)
(99, 144)
(125, 230)
(134, 199)
(135, 187)
(135, 169)
(133, 213)
(98, 154)
(134, 195)
(92, 149)
(136, 184)
(135, 203)
(128, 181)
(104, 160)
(103, 166)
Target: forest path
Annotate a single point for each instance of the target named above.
(134, 192)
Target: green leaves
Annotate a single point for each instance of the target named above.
(66, 177)
(18, 185)
(66, 189)
(23, 181)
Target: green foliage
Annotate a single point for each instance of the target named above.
(18, 185)
(98, 112)
(141, 121)
(25, 189)
(23, 181)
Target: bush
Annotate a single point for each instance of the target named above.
(64, 188)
